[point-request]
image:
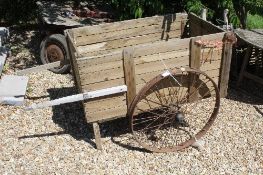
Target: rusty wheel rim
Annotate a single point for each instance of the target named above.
(54, 53)
(155, 111)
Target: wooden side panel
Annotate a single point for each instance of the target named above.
(165, 21)
(118, 43)
(108, 38)
(199, 27)
(105, 108)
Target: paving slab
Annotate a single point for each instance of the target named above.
(13, 89)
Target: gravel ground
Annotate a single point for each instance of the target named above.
(58, 141)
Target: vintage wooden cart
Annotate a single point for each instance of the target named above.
(163, 72)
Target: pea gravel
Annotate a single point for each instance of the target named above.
(59, 141)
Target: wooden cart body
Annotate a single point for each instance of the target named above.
(134, 51)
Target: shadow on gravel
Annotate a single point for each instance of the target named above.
(71, 118)
(25, 45)
(249, 92)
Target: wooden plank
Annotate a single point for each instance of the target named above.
(195, 54)
(105, 103)
(141, 73)
(129, 74)
(89, 61)
(213, 72)
(38, 68)
(103, 63)
(225, 65)
(109, 114)
(244, 64)
(113, 35)
(96, 130)
(199, 27)
(215, 78)
(86, 86)
(109, 64)
(100, 67)
(74, 66)
(211, 66)
(210, 54)
(117, 73)
(178, 54)
(158, 65)
(104, 75)
(161, 46)
(106, 46)
(127, 24)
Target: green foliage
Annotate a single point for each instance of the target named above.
(25, 11)
(128, 9)
(255, 22)
(17, 11)
(238, 9)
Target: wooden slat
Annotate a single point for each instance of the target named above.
(149, 60)
(150, 65)
(103, 75)
(109, 114)
(105, 103)
(162, 56)
(127, 24)
(244, 64)
(86, 86)
(211, 66)
(117, 73)
(199, 27)
(113, 35)
(89, 61)
(161, 46)
(213, 72)
(107, 46)
(100, 67)
(91, 65)
(158, 65)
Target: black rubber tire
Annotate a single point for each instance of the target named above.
(60, 41)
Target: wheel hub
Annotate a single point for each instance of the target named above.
(54, 53)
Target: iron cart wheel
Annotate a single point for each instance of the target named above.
(172, 111)
(54, 48)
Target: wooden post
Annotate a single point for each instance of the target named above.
(96, 130)
(72, 58)
(244, 65)
(229, 38)
(129, 73)
(195, 54)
